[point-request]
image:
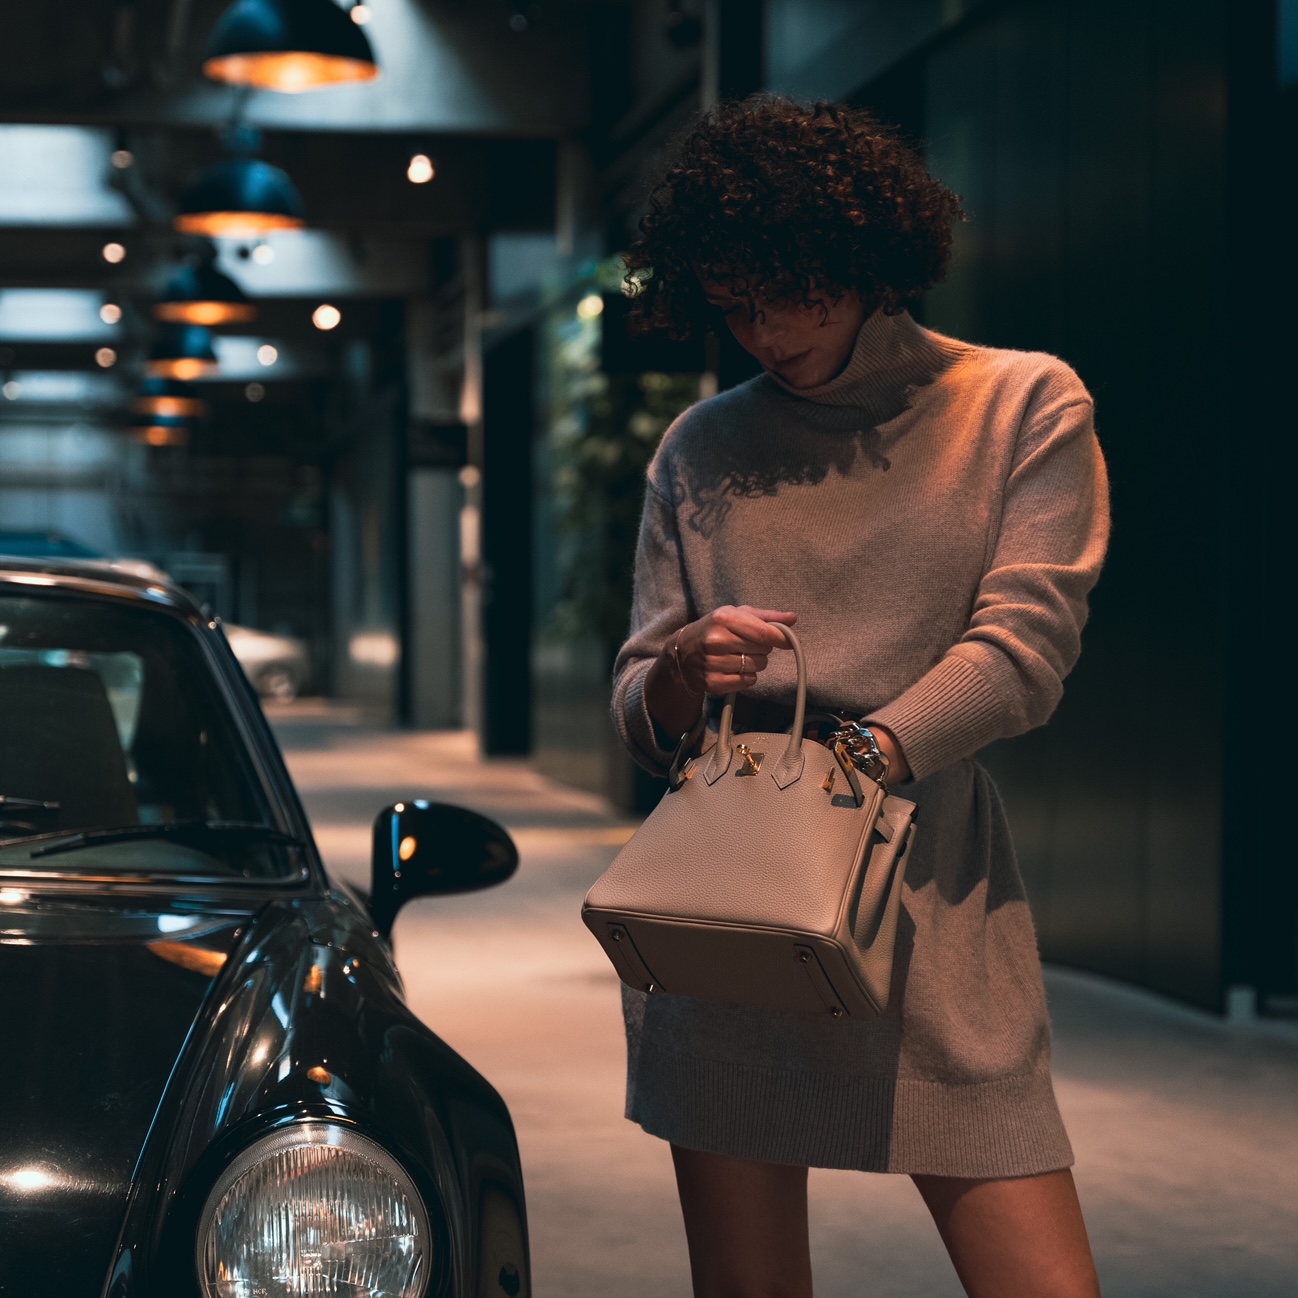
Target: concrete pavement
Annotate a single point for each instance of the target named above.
(1185, 1129)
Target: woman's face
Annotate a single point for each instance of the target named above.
(806, 344)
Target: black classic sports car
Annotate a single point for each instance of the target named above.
(209, 1079)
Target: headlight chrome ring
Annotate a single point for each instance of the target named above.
(314, 1209)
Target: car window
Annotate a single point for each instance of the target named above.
(110, 718)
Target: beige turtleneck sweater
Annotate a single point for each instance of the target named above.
(936, 517)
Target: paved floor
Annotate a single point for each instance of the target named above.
(1186, 1130)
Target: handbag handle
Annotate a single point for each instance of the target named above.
(789, 767)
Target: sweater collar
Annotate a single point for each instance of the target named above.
(891, 351)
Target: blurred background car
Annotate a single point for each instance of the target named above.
(277, 665)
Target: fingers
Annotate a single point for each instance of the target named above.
(725, 651)
(740, 664)
(743, 629)
(721, 682)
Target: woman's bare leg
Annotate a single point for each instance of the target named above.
(1021, 1238)
(746, 1224)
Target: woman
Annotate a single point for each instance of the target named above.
(932, 515)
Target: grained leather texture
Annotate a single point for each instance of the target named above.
(745, 851)
(741, 886)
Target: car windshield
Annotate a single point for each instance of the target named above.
(110, 720)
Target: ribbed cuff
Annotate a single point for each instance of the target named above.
(634, 724)
(951, 712)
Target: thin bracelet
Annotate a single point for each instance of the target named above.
(676, 658)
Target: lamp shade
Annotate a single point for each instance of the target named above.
(241, 198)
(182, 352)
(200, 294)
(288, 45)
(167, 398)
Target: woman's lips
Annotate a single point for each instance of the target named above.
(784, 362)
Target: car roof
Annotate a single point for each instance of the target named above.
(94, 577)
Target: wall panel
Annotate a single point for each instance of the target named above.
(1089, 145)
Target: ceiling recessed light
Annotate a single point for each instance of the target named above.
(421, 169)
(13, 390)
(254, 391)
(113, 253)
(122, 158)
(263, 254)
(360, 15)
(326, 316)
(105, 358)
(110, 313)
(267, 354)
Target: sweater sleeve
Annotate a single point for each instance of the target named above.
(1005, 674)
(660, 607)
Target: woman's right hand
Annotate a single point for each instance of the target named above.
(721, 653)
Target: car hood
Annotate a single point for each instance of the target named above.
(96, 1007)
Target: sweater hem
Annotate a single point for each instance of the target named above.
(1002, 1128)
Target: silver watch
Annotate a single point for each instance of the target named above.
(856, 743)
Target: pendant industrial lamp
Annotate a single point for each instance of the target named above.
(182, 352)
(288, 45)
(241, 198)
(200, 294)
(161, 430)
(168, 398)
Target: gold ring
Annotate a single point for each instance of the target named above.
(743, 670)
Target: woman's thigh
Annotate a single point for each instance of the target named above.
(1023, 1238)
(746, 1224)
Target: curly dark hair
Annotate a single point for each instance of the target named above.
(778, 199)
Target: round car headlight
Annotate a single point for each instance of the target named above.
(314, 1209)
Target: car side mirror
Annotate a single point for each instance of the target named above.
(429, 849)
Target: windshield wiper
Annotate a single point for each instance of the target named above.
(28, 804)
(199, 830)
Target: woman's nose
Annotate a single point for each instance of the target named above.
(764, 332)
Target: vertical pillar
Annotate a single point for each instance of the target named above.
(472, 255)
(733, 68)
(508, 386)
(733, 50)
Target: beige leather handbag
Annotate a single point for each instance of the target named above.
(769, 874)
